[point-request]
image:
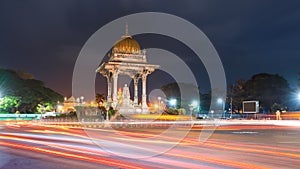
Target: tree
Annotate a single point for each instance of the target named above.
(44, 107)
(100, 99)
(266, 88)
(111, 112)
(205, 101)
(10, 103)
(30, 91)
(238, 93)
(172, 90)
(184, 93)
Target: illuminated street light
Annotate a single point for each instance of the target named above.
(81, 99)
(159, 105)
(221, 101)
(195, 104)
(173, 102)
(59, 108)
(212, 113)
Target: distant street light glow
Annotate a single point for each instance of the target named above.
(59, 107)
(195, 103)
(173, 102)
(220, 101)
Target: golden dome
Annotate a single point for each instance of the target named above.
(126, 45)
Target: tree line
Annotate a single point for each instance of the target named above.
(21, 92)
(271, 90)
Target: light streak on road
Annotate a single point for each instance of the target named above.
(74, 143)
(69, 155)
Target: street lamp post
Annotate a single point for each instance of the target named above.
(222, 102)
(231, 107)
(212, 113)
(159, 105)
(81, 99)
(191, 111)
(194, 105)
(107, 118)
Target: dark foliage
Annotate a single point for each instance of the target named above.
(31, 91)
(269, 89)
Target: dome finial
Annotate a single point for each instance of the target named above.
(126, 29)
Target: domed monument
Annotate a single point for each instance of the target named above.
(127, 58)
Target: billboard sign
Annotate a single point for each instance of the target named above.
(250, 106)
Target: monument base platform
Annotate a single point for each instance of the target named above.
(133, 110)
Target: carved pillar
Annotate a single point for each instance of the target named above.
(136, 82)
(115, 94)
(108, 77)
(144, 96)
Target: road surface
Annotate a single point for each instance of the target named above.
(31, 145)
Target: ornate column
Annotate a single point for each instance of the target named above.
(115, 94)
(108, 77)
(135, 82)
(144, 96)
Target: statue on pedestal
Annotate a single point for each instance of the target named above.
(126, 96)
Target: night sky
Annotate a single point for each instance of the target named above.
(44, 37)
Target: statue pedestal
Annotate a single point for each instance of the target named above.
(107, 124)
(126, 110)
(127, 107)
(145, 110)
(133, 110)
